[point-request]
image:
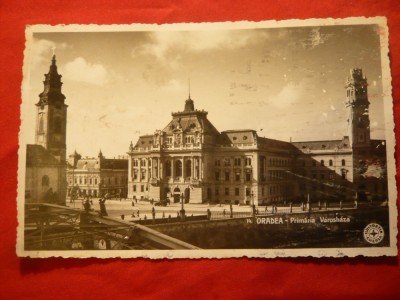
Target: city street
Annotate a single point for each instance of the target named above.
(143, 209)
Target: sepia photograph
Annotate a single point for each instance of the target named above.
(257, 139)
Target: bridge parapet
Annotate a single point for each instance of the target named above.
(48, 224)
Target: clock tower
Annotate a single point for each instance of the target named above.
(357, 102)
(51, 123)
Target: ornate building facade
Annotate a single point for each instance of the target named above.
(97, 177)
(190, 158)
(45, 179)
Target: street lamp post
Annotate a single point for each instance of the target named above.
(253, 207)
(182, 212)
(76, 157)
(72, 189)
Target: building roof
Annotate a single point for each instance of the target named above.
(88, 164)
(92, 164)
(190, 122)
(114, 163)
(144, 141)
(275, 144)
(38, 155)
(343, 144)
(242, 136)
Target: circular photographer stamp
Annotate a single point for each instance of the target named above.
(373, 233)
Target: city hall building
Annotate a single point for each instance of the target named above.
(191, 159)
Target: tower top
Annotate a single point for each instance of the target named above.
(52, 86)
(356, 77)
(189, 105)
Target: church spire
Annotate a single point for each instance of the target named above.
(52, 86)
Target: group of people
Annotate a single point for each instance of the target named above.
(87, 204)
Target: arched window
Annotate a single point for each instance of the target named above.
(45, 180)
(322, 162)
(168, 168)
(57, 125)
(330, 163)
(178, 166)
(343, 162)
(188, 170)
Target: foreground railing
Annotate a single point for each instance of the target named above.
(45, 224)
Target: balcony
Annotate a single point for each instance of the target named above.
(154, 181)
(182, 146)
(195, 182)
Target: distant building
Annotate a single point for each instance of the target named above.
(353, 166)
(97, 176)
(45, 179)
(190, 158)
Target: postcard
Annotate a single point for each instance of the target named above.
(207, 140)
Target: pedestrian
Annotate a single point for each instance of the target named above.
(133, 203)
(208, 214)
(86, 205)
(138, 213)
(103, 210)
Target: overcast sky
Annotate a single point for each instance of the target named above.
(287, 82)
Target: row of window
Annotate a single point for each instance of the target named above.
(227, 176)
(330, 163)
(95, 180)
(237, 161)
(278, 175)
(168, 170)
(277, 162)
(142, 188)
(142, 174)
(142, 162)
(189, 139)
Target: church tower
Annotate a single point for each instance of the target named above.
(357, 102)
(51, 123)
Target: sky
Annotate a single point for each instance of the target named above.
(286, 83)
